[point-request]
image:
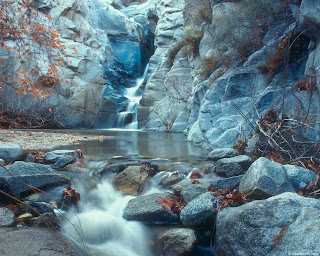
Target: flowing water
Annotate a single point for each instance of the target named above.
(98, 228)
(128, 119)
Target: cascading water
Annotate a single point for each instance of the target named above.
(98, 228)
(128, 119)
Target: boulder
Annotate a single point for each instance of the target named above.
(177, 242)
(172, 178)
(220, 153)
(299, 177)
(269, 227)
(131, 181)
(147, 210)
(191, 191)
(200, 209)
(32, 241)
(7, 217)
(11, 152)
(52, 157)
(30, 158)
(265, 178)
(229, 167)
(63, 161)
(33, 174)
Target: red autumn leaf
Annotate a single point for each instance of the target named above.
(171, 204)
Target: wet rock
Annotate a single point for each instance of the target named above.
(299, 177)
(63, 161)
(52, 157)
(200, 209)
(30, 158)
(25, 218)
(131, 181)
(177, 242)
(46, 220)
(172, 178)
(11, 152)
(116, 167)
(191, 191)
(234, 166)
(145, 209)
(194, 190)
(184, 168)
(265, 178)
(220, 153)
(36, 175)
(269, 227)
(31, 241)
(7, 217)
(207, 168)
(35, 208)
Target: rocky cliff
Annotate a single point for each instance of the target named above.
(233, 61)
(215, 66)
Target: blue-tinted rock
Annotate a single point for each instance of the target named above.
(11, 152)
(200, 209)
(258, 226)
(7, 217)
(265, 178)
(234, 166)
(220, 153)
(53, 156)
(147, 210)
(33, 174)
(299, 177)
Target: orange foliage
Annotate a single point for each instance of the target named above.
(28, 35)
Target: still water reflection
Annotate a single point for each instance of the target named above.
(137, 143)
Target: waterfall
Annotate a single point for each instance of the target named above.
(98, 228)
(128, 119)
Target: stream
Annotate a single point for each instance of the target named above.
(97, 226)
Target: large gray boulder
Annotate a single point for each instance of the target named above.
(177, 242)
(147, 210)
(35, 241)
(131, 181)
(33, 174)
(200, 209)
(11, 152)
(269, 227)
(265, 178)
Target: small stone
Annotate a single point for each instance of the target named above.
(220, 153)
(25, 218)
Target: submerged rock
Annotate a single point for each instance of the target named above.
(177, 242)
(147, 210)
(279, 225)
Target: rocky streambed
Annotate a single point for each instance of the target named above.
(223, 204)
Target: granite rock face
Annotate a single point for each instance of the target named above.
(288, 211)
